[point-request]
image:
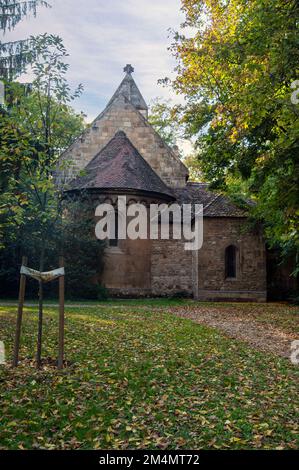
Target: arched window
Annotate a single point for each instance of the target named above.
(231, 262)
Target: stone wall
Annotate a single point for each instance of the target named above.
(155, 268)
(250, 283)
(123, 116)
(127, 266)
(146, 267)
(140, 268)
(165, 268)
(171, 268)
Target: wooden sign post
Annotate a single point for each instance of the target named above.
(20, 315)
(40, 277)
(61, 316)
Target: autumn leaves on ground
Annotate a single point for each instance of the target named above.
(141, 376)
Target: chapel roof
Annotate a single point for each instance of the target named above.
(215, 205)
(119, 166)
(130, 90)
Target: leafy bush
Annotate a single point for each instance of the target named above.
(70, 236)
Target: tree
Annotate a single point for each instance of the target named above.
(82, 251)
(32, 137)
(193, 165)
(14, 56)
(71, 234)
(163, 116)
(166, 119)
(236, 71)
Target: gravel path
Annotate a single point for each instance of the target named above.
(264, 337)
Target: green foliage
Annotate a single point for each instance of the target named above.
(15, 55)
(34, 130)
(163, 116)
(12, 12)
(236, 66)
(71, 234)
(102, 293)
(81, 269)
(35, 218)
(82, 251)
(194, 167)
(166, 119)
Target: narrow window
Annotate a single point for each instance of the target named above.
(231, 262)
(114, 241)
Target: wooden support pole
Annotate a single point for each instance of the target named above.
(40, 308)
(40, 325)
(20, 315)
(61, 316)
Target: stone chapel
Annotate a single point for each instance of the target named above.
(121, 154)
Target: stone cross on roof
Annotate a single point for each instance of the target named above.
(129, 69)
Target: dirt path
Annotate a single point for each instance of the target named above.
(265, 337)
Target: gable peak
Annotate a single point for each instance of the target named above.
(130, 91)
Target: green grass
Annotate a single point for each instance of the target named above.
(148, 302)
(143, 378)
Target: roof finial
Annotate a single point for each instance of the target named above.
(129, 69)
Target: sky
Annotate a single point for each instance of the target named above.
(102, 36)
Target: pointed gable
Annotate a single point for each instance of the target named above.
(126, 111)
(130, 91)
(119, 166)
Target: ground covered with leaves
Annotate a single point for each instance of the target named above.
(141, 377)
(271, 328)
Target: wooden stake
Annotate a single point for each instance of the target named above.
(20, 315)
(40, 308)
(61, 316)
(40, 325)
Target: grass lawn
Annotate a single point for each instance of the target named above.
(140, 377)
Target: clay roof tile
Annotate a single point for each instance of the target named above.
(120, 166)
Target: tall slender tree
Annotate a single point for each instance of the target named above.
(35, 130)
(15, 55)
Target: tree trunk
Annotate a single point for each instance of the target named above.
(40, 311)
(61, 316)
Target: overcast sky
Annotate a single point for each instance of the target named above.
(103, 36)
